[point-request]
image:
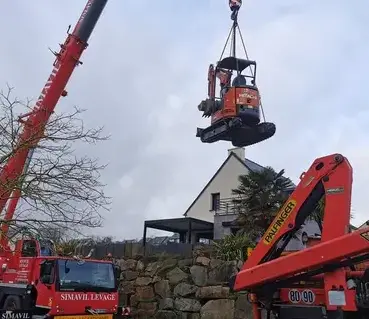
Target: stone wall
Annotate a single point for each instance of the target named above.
(181, 288)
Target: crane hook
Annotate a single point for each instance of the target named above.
(235, 5)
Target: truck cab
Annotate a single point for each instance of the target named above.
(52, 285)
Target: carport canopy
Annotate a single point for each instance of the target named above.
(179, 225)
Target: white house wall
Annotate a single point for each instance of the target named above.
(223, 183)
(311, 228)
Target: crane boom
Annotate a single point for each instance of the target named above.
(34, 122)
(329, 269)
(326, 176)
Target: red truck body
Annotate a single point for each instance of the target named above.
(33, 280)
(59, 298)
(53, 285)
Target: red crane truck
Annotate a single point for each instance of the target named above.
(329, 280)
(33, 279)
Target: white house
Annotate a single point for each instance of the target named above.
(212, 213)
(213, 203)
(220, 185)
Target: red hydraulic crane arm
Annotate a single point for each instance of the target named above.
(329, 258)
(333, 251)
(330, 176)
(326, 176)
(34, 124)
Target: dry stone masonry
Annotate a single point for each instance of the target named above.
(172, 288)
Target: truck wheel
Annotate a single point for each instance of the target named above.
(12, 303)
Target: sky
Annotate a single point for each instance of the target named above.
(145, 72)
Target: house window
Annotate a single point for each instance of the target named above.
(215, 201)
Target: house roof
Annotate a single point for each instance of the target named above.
(211, 179)
(249, 164)
(252, 166)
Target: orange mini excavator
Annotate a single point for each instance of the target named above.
(235, 113)
(329, 280)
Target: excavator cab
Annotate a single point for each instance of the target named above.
(241, 97)
(235, 111)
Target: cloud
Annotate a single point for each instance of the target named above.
(145, 72)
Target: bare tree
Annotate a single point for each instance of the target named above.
(61, 187)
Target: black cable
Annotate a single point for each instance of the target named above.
(232, 32)
(225, 46)
(252, 73)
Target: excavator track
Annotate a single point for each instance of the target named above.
(239, 134)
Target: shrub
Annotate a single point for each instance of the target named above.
(232, 247)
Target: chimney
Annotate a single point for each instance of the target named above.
(239, 151)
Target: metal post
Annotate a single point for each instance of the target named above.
(144, 239)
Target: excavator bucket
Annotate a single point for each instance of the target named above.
(240, 135)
